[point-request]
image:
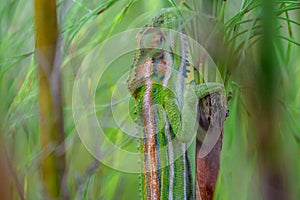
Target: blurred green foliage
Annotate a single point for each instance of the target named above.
(82, 28)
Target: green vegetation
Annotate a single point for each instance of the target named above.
(255, 45)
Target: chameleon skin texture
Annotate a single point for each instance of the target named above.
(162, 181)
(164, 175)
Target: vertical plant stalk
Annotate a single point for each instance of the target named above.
(212, 108)
(50, 107)
(267, 112)
(6, 185)
(212, 116)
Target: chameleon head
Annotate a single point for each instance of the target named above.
(155, 53)
(168, 19)
(156, 37)
(152, 41)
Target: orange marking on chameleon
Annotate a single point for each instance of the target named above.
(150, 132)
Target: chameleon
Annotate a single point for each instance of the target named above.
(160, 82)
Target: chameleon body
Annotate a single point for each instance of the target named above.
(157, 82)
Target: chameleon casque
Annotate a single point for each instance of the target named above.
(159, 81)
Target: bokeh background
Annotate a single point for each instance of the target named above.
(255, 45)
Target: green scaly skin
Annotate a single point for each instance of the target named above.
(167, 167)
